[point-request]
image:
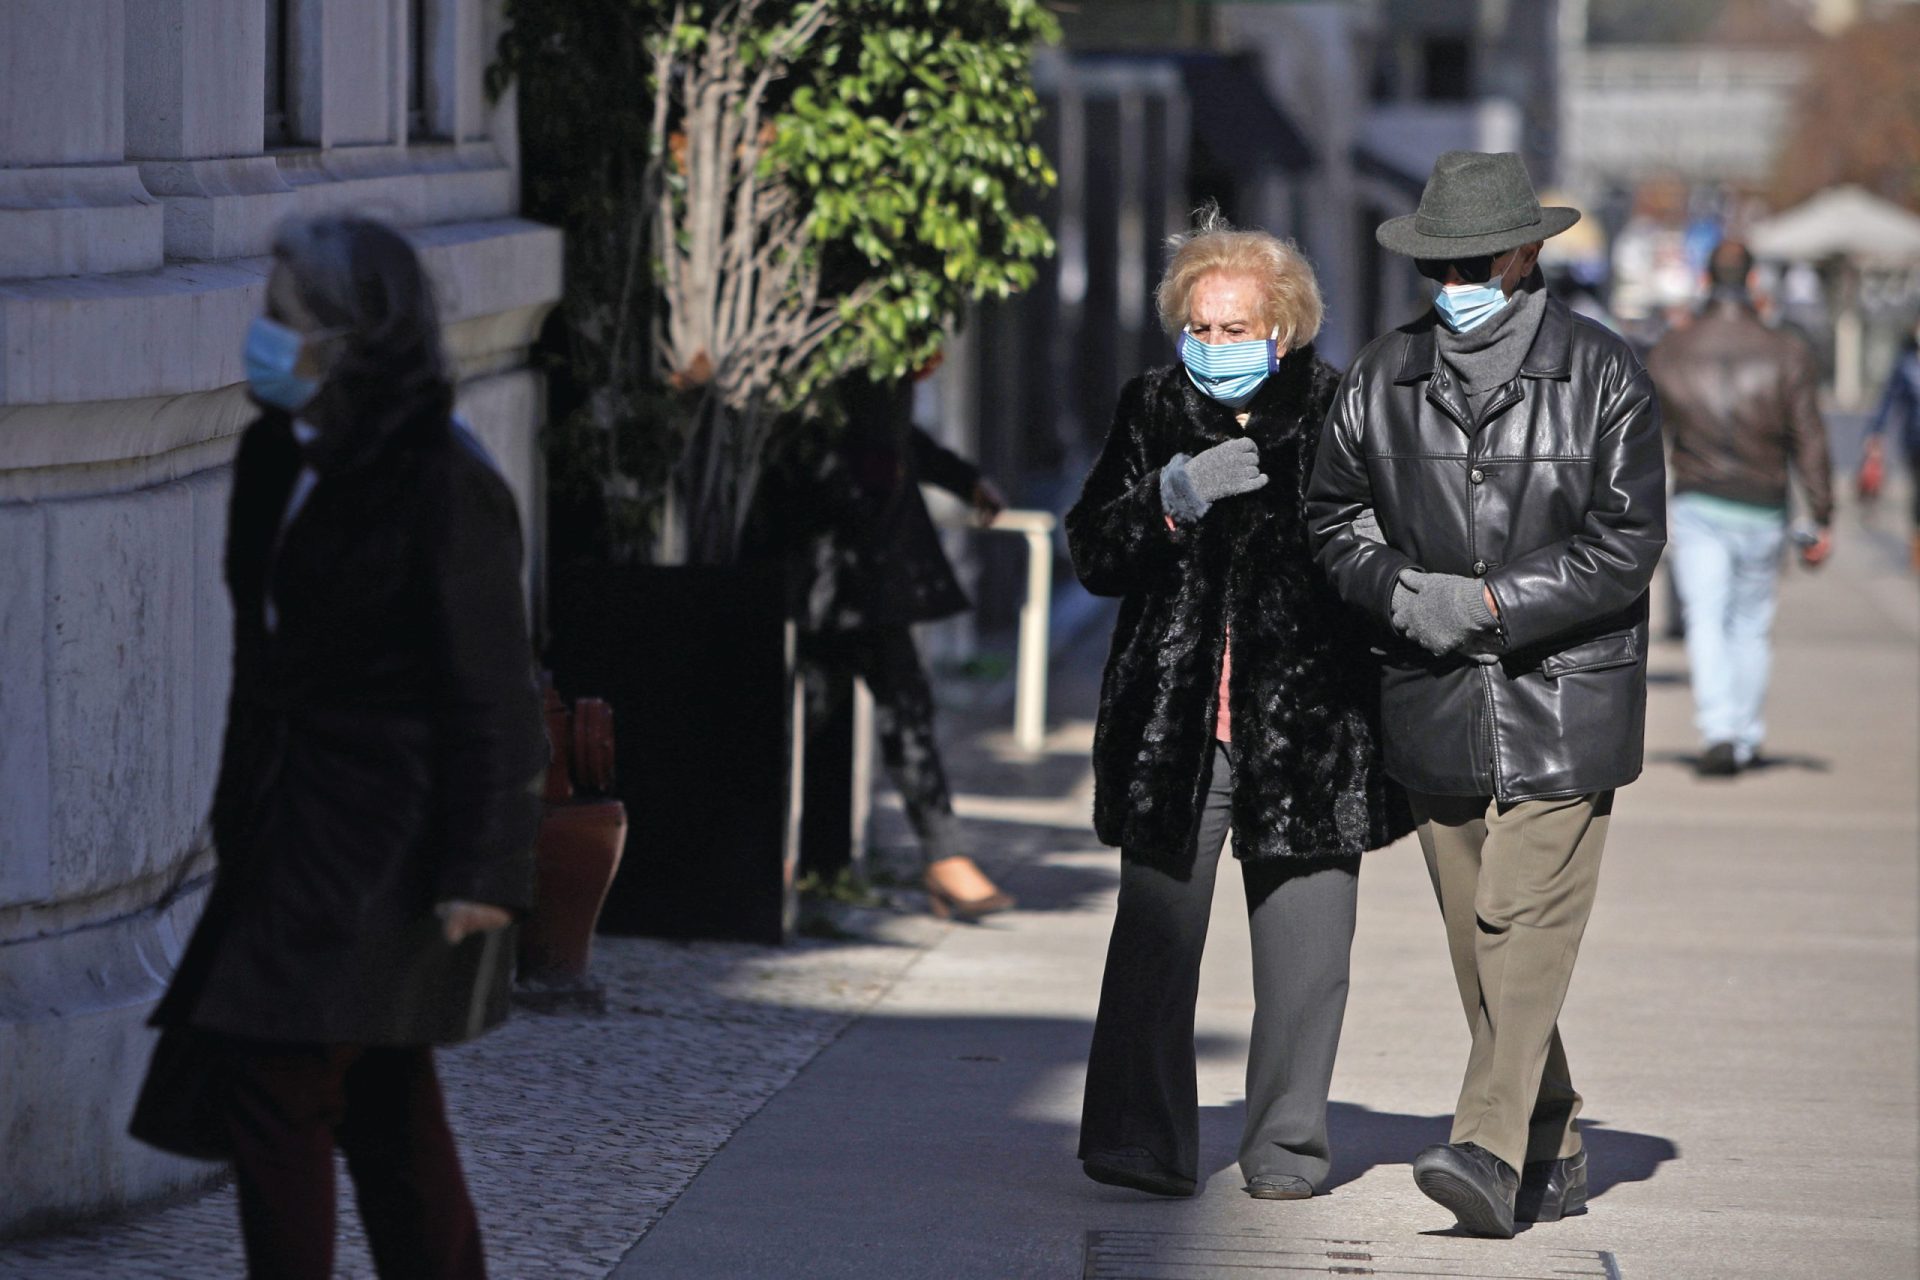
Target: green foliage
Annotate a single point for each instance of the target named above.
(580, 71)
(912, 140)
(903, 131)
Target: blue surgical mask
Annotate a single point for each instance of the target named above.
(1468, 306)
(1230, 372)
(272, 355)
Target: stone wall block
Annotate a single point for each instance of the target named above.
(73, 1008)
(485, 268)
(344, 95)
(86, 450)
(505, 411)
(24, 872)
(120, 687)
(103, 338)
(62, 78)
(212, 629)
(76, 220)
(196, 78)
(219, 208)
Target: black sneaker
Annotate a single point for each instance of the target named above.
(1719, 761)
(1552, 1189)
(1472, 1183)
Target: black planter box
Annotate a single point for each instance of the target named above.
(698, 664)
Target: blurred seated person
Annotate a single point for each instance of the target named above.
(874, 567)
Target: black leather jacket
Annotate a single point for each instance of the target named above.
(1557, 501)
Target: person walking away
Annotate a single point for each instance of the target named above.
(875, 568)
(1491, 489)
(378, 795)
(1899, 412)
(1235, 697)
(1740, 404)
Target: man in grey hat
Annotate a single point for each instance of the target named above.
(1490, 487)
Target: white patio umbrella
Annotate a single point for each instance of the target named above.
(1841, 222)
(1862, 230)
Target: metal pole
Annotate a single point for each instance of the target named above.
(862, 775)
(1030, 678)
(1030, 689)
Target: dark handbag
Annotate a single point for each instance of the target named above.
(182, 1104)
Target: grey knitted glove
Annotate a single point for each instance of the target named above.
(1444, 613)
(1189, 486)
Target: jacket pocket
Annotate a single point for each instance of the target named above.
(1593, 655)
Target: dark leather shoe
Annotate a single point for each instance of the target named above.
(1136, 1168)
(1719, 761)
(1552, 1189)
(1475, 1185)
(1279, 1186)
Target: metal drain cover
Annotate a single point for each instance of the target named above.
(1169, 1255)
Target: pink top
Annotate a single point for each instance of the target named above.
(1223, 719)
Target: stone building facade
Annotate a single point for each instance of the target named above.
(148, 149)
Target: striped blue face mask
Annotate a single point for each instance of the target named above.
(1230, 372)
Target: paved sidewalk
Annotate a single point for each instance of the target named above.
(577, 1133)
(1742, 1023)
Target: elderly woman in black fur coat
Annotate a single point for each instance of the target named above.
(1237, 695)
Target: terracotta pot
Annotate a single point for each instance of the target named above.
(579, 851)
(581, 840)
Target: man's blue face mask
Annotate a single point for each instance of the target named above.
(272, 355)
(1230, 372)
(1468, 306)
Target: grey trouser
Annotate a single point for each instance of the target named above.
(1141, 1089)
(886, 659)
(1516, 884)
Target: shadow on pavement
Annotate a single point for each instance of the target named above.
(1759, 764)
(1363, 1139)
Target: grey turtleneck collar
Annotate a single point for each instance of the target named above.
(1489, 357)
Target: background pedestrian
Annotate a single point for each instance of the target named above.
(1740, 405)
(377, 805)
(874, 567)
(1898, 418)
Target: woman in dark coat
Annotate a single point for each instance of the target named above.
(1237, 694)
(376, 808)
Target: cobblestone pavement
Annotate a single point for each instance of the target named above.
(577, 1132)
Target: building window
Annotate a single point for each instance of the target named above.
(1447, 68)
(279, 131)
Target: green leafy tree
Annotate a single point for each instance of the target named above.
(826, 185)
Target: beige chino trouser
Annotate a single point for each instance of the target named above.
(1516, 885)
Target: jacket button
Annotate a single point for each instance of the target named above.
(1478, 476)
(1479, 568)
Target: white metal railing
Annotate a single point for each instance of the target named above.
(1030, 680)
(1030, 669)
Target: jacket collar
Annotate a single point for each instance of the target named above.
(1550, 356)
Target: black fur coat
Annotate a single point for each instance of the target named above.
(1307, 780)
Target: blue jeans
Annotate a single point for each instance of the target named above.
(1726, 563)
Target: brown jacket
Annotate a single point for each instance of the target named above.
(1740, 403)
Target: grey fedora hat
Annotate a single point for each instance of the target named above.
(1475, 203)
